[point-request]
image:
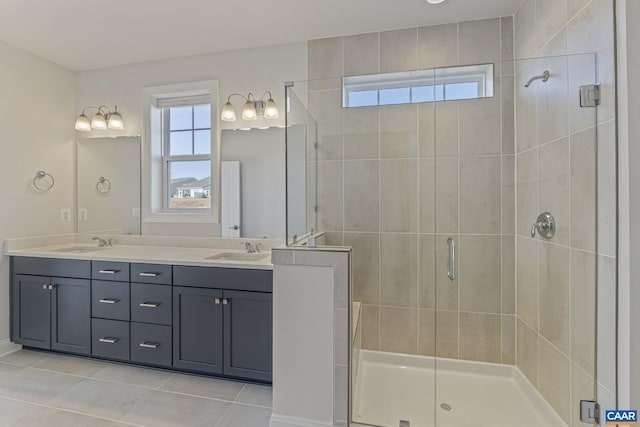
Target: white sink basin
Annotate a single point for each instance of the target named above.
(240, 256)
(79, 249)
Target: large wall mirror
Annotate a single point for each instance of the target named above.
(253, 178)
(108, 185)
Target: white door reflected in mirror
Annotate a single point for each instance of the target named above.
(230, 198)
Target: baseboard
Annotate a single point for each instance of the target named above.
(285, 421)
(6, 347)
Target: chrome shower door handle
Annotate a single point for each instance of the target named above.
(451, 259)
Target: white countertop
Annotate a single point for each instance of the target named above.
(147, 252)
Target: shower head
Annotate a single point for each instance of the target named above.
(544, 77)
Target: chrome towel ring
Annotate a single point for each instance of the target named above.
(103, 186)
(43, 181)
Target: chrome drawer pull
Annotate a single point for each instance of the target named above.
(150, 274)
(109, 340)
(109, 300)
(150, 304)
(149, 344)
(109, 271)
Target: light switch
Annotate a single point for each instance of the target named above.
(83, 214)
(65, 215)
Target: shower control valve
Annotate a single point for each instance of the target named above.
(545, 225)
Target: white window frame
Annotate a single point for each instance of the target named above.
(166, 157)
(155, 192)
(482, 74)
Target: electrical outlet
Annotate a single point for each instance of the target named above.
(65, 215)
(83, 215)
(135, 213)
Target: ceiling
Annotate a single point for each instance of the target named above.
(89, 34)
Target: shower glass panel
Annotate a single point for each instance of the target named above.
(301, 131)
(515, 312)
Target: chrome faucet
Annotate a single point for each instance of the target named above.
(251, 248)
(103, 242)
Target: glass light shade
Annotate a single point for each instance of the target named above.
(99, 122)
(249, 111)
(115, 121)
(83, 124)
(435, 1)
(228, 113)
(271, 110)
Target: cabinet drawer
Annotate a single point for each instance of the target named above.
(110, 300)
(114, 271)
(151, 273)
(151, 303)
(52, 267)
(151, 344)
(110, 338)
(223, 278)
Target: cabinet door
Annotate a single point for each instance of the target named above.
(32, 311)
(197, 329)
(248, 334)
(71, 315)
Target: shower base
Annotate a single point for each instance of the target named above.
(391, 388)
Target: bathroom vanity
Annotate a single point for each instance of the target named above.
(197, 314)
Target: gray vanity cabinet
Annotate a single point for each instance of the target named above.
(197, 329)
(70, 310)
(199, 319)
(53, 313)
(247, 335)
(31, 321)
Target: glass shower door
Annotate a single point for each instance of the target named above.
(516, 248)
(389, 210)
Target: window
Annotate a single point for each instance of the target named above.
(186, 155)
(440, 84)
(180, 167)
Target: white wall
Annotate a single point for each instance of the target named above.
(633, 41)
(37, 104)
(250, 70)
(629, 203)
(261, 153)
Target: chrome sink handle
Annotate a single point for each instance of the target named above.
(249, 248)
(545, 225)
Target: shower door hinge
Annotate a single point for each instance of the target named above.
(316, 145)
(589, 412)
(590, 95)
(315, 208)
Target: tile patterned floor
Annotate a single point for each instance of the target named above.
(44, 389)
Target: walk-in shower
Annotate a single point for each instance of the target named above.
(473, 217)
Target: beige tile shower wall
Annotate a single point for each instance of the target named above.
(395, 182)
(565, 164)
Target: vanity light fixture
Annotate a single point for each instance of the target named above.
(252, 108)
(104, 119)
(435, 1)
